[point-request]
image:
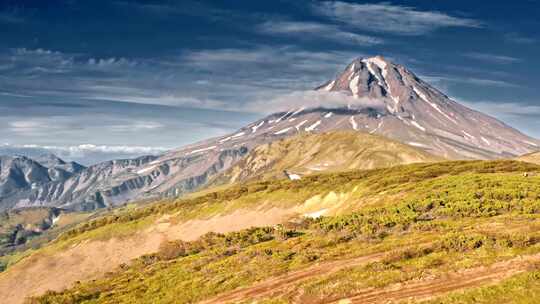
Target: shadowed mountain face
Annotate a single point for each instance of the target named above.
(25, 182)
(21, 176)
(379, 97)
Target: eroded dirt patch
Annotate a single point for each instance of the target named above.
(87, 260)
(91, 259)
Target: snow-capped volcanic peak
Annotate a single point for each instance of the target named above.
(408, 109)
(388, 100)
(397, 89)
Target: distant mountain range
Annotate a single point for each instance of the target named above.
(380, 98)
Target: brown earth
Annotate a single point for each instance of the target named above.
(431, 288)
(235, 221)
(88, 260)
(415, 289)
(91, 259)
(274, 285)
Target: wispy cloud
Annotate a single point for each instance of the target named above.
(316, 31)
(520, 115)
(42, 72)
(111, 62)
(287, 59)
(443, 80)
(64, 125)
(247, 75)
(492, 58)
(41, 127)
(505, 108)
(205, 79)
(386, 17)
(85, 148)
(312, 99)
(520, 39)
(86, 154)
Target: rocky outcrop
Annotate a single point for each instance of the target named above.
(27, 183)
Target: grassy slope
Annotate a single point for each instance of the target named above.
(429, 219)
(333, 151)
(352, 150)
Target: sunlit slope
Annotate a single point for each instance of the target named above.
(531, 158)
(411, 223)
(309, 153)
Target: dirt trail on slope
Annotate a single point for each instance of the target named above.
(93, 258)
(415, 289)
(235, 221)
(270, 286)
(431, 288)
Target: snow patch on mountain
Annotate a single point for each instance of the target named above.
(313, 126)
(467, 135)
(375, 74)
(416, 144)
(225, 139)
(283, 131)
(298, 111)
(417, 125)
(353, 85)
(329, 86)
(202, 150)
(378, 127)
(146, 169)
(300, 124)
(353, 123)
(377, 60)
(254, 128)
(284, 115)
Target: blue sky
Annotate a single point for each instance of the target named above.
(92, 80)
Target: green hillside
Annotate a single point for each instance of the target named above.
(389, 234)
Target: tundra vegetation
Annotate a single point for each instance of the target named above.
(425, 221)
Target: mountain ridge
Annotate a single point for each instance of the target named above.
(309, 153)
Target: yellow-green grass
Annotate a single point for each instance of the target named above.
(308, 153)
(523, 288)
(373, 187)
(453, 216)
(377, 187)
